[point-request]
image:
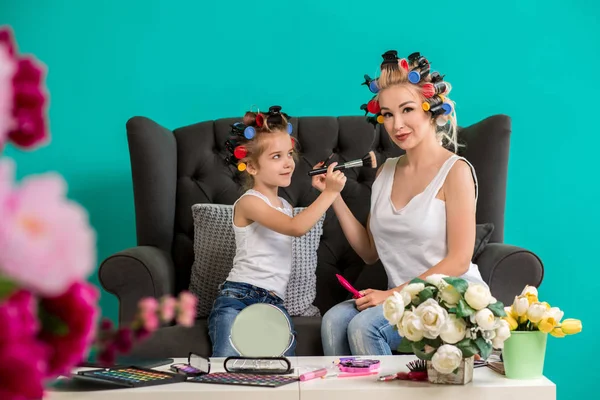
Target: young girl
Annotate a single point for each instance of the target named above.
(422, 217)
(263, 223)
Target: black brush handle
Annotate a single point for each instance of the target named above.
(323, 170)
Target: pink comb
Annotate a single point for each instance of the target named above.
(355, 293)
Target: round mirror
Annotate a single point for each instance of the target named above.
(261, 330)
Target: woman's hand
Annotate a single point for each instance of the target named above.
(371, 298)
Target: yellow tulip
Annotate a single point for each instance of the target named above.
(512, 323)
(523, 319)
(557, 332)
(509, 312)
(536, 312)
(531, 298)
(520, 306)
(571, 326)
(547, 324)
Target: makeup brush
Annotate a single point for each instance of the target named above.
(368, 160)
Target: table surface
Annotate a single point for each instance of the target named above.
(486, 384)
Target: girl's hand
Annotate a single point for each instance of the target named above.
(318, 181)
(334, 180)
(371, 298)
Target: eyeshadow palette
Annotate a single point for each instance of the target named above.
(260, 380)
(129, 376)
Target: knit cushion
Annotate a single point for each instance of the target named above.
(214, 250)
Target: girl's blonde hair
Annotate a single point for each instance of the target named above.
(395, 74)
(265, 125)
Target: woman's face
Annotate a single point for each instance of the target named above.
(403, 117)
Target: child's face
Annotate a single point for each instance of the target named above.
(276, 164)
(403, 118)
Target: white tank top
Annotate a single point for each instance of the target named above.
(263, 257)
(411, 240)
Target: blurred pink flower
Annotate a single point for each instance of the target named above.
(186, 311)
(22, 369)
(77, 309)
(148, 313)
(18, 317)
(167, 308)
(46, 242)
(28, 125)
(22, 357)
(8, 68)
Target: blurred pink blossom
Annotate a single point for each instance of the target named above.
(77, 309)
(46, 242)
(167, 308)
(26, 96)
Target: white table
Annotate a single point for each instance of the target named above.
(486, 384)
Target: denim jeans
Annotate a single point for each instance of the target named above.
(234, 297)
(347, 331)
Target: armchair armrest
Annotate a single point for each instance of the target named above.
(507, 269)
(135, 273)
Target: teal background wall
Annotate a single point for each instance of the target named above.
(180, 62)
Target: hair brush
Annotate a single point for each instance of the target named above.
(368, 160)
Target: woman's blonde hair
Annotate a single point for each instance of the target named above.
(265, 125)
(395, 72)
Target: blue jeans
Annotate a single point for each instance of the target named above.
(233, 298)
(347, 331)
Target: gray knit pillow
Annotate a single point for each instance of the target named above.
(214, 250)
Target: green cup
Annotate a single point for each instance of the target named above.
(524, 354)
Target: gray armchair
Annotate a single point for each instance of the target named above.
(172, 170)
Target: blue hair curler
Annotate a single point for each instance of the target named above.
(414, 76)
(290, 128)
(447, 107)
(373, 86)
(249, 132)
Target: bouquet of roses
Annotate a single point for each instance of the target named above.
(447, 319)
(527, 313)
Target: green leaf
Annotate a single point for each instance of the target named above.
(463, 309)
(427, 293)
(51, 323)
(468, 347)
(459, 284)
(421, 354)
(418, 280)
(437, 342)
(405, 346)
(452, 310)
(485, 349)
(6, 288)
(497, 309)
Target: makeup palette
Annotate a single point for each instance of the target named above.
(261, 380)
(129, 376)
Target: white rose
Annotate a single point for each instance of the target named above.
(446, 359)
(554, 313)
(536, 312)
(502, 333)
(485, 319)
(478, 296)
(454, 330)
(393, 308)
(450, 295)
(433, 317)
(406, 298)
(520, 306)
(437, 280)
(413, 289)
(411, 327)
(530, 290)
